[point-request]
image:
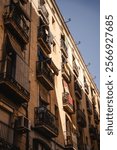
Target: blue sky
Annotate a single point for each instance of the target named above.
(85, 27)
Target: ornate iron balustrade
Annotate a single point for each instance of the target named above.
(45, 121)
(45, 75)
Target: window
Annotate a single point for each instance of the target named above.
(56, 115)
(41, 2)
(5, 116)
(64, 60)
(89, 118)
(68, 125)
(91, 91)
(41, 56)
(73, 58)
(53, 22)
(54, 46)
(62, 37)
(84, 79)
(43, 102)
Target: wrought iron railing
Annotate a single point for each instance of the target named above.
(43, 10)
(89, 105)
(86, 87)
(93, 132)
(16, 76)
(13, 14)
(81, 118)
(78, 89)
(43, 69)
(44, 117)
(66, 100)
(96, 116)
(70, 140)
(75, 68)
(64, 47)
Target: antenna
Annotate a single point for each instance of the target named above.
(94, 77)
(79, 42)
(68, 20)
(88, 64)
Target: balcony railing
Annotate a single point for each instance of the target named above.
(6, 137)
(93, 132)
(89, 105)
(68, 102)
(96, 117)
(81, 118)
(86, 88)
(78, 90)
(45, 122)
(43, 11)
(64, 48)
(44, 39)
(75, 69)
(17, 24)
(14, 80)
(45, 75)
(70, 141)
(66, 72)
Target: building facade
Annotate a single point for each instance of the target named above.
(48, 99)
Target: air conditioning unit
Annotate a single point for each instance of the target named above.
(23, 124)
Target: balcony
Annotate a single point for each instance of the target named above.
(43, 39)
(66, 72)
(16, 20)
(75, 69)
(45, 122)
(14, 81)
(81, 118)
(89, 105)
(68, 103)
(44, 13)
(86, 88)
(94, 102)
(70, 141)
(64, 48)
(93, 132)
(96, 117)
(45, 75)
(78, 90)
(6, 137)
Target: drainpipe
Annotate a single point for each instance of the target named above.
(27, 134)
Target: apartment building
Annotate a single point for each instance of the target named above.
(48, 99)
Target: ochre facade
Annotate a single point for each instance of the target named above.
(48, 99)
